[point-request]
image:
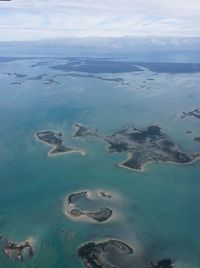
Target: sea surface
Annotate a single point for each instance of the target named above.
(157, 211)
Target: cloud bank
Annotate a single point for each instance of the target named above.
(34, 20)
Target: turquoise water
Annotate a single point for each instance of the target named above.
(158, 210)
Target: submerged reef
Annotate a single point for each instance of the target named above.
(55, 140)
(104, 254)
(147, 145)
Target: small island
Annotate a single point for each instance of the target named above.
(55, 140)
(117, 80)
(72, 198)
(104, 194)
(72, 207)
(51, 81)
(195, 113)
(188, 132)
(82, 131)
(164, 263)
(197, 139)
(144, 146)
(113, 253)
(104, 254)
(101, 215)
(37, 77)
(18, 251)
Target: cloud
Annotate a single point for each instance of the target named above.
(33, 20)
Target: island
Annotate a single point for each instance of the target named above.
(101, 215)
(75, 210)
(99, 66)
(195, 113)
(51, 81)
(17, 75)
(164, 263)
(113, 253)
(118, 80)
(104, 194)
(37, 77)
(95, 66)
(82, 131)
(22, 78)
(55, 140)
(143, 145)
(40, 63)
(104, 254)
(72, 198)
(188, 132)
(197, 139)
(7, 73)
(18, 251)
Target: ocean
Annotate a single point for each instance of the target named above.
(156, 211)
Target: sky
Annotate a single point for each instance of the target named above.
(25, 20)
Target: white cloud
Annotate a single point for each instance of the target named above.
(32, 20)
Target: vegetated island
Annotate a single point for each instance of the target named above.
(99, 215)
(18, 251)
(113, 253)
(104, 254)
(195, 112)
(55, 140)
(83, 131)
(144, 146)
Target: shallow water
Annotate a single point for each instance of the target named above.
(157, 211)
